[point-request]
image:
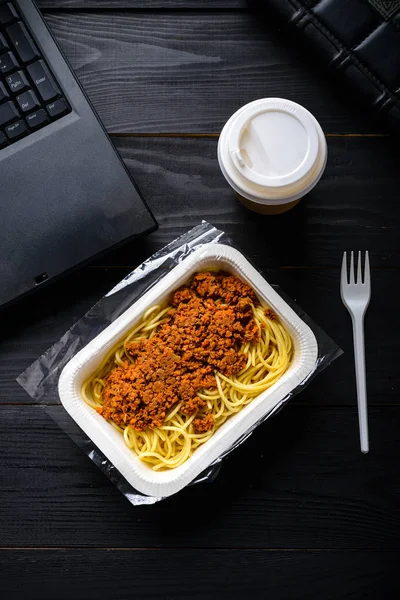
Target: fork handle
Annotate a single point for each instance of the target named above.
(359, 360)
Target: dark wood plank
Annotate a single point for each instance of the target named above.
(142, 4)
(35, 324)
(355, 206)
(199, 575)
(189, 71)
(300, 481)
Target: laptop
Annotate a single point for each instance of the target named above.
(65, 194)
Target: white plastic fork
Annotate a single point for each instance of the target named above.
(356, 294)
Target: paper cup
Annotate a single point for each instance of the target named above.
(272, 152)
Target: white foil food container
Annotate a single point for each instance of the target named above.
(111, 442)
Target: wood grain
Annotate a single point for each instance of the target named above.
(110, 5)
(299, 486)
(198, 574)
(189, 71)
(355, 205)
(300, 481)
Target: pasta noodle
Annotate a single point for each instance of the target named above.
(168, 446)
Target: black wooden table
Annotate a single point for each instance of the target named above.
(297, 511)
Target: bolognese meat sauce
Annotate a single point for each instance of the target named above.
(209, 321)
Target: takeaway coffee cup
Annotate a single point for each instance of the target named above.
(272, 152)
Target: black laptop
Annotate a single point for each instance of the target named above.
(65, 194)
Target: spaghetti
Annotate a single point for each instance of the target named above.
(185, 368)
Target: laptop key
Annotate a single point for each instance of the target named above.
(43, 81)
(30, 97)
(8, 14)
(3, 44)
(17, 82)
(8, 112)
(57, 108)
(16, 131)
(4, 94)
(8, 63)
(22, 42)
(37, 119)
(27, 101)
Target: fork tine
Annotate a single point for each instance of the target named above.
(367, 276)
(343, 277)
(352, 268)
(359, 280)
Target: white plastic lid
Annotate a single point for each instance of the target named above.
(272, 151)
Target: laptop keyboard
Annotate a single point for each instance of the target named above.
(30, 98)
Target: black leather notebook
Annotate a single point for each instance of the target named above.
(360, 39)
